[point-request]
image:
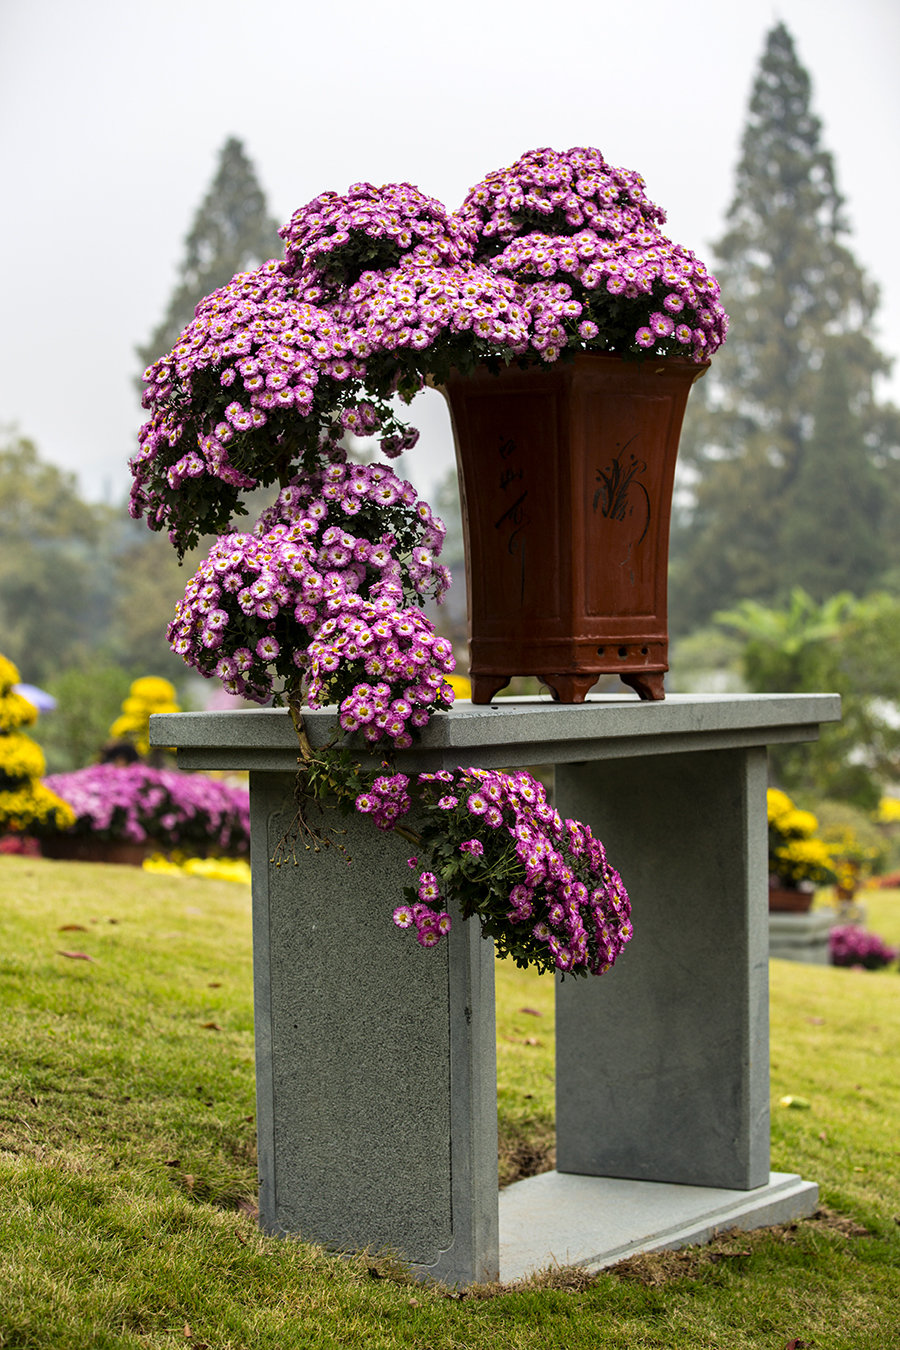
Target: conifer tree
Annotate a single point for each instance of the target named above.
(770, 449)
(232, 231)
(831, 539)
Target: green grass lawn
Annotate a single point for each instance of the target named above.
(128, 1174)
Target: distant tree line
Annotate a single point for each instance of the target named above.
(80, 582)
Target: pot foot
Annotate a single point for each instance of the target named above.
(649, 685)
(569, 688)
(484, 687)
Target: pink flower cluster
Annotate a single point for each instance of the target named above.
(393, 659)
(259, 600)
(398, 214)
(541, 885)
(247, 365)
(430, 924)
(386, 800)
(850, 945)
(568, 191)
(407, 313)
(574, 218)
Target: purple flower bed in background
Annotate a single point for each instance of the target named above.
(178, 810)
(852, 946)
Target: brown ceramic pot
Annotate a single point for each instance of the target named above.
(82, 848)
(566, 476)
(788, 900)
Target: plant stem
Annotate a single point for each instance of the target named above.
(409, 835)
(308, 754)
(306, 749)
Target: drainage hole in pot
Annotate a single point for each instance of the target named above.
(600, 651)
(645, 651)
(623, 651)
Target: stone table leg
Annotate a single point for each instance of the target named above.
(376, 1058)
(662, 1069)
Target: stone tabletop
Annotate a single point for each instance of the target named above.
(508, 732)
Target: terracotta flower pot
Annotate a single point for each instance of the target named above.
(788, 900)
(82, 848)
(566, 477)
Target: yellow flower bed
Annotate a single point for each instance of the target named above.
(9, 673)
(148, 695)
(888, 812)
(15, 711)
(797, 853)
(216, 869)
(24, 801)
(20, 757)
(32, 804)
(805, 853)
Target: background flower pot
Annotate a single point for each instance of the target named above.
(566, 476)
(82, 848)
(789, 900)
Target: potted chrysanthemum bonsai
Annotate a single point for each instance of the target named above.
(558, 259)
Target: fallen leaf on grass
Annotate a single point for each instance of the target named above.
(532, 1040)
(72, 928)
(796, 1103)
(796, 1344)
(76, 956)
(533, 1012)
(210, 1026)
(215, 984)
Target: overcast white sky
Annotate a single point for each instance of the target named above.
(112, 114)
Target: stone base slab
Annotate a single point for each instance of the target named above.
(801, 937)
(559, 1219)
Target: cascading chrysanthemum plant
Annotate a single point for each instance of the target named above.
(380, 291)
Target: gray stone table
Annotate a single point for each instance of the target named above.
(376, 1060)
